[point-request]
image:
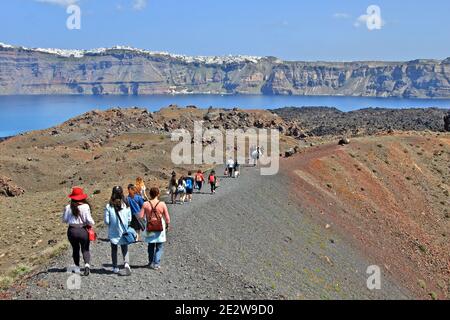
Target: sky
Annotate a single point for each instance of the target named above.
(331, 30)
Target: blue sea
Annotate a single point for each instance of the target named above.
(24, 113)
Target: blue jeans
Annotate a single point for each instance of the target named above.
(155, 252)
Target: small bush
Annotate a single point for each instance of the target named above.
(422, 284)
(422, 248)
(20, 270)
(5, 282)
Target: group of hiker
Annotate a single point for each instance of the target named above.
(182, 188)
(139, 216)
(128, 218)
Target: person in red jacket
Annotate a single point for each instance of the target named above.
(212, 180)
(199, 180)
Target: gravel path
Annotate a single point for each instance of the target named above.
(249, 241)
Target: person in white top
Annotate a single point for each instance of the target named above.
(77, 215)
(230, 167)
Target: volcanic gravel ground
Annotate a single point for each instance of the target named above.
(248, 241)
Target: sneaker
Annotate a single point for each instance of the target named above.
(73, 269)
(127, 269)
(116, 270)
(87, 269)
(151, 265)
(156, 267)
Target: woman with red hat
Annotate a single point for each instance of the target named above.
(77, 215)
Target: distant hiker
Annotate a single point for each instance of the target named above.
(141, 188)
(237, 167)
(189, 186)
(181, 189)
(77, 215)
(212, 180)
(255, 155)
(135, 201)
(117, 218)
(199, 180)
(158, 221)
(173, 184)
(230, 167)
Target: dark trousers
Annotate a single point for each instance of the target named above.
(213, 187)
(79, 239)
(125, 254)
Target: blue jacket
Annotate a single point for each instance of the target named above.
(135, 203)
(115, 229)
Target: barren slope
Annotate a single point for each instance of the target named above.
(389, 195)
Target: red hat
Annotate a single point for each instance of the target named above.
(77, 194)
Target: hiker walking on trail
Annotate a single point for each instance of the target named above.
(181, 189)
(158, 221)
(141, 188)
(189, 186)
(255, 155)
(173, 184)
(230, 167)
(77, 215)
(117, 218)
(212, 180)
(199, 180)
(237, 167)
(135, 201)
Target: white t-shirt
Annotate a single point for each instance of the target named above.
(84, 218)
(143, 189)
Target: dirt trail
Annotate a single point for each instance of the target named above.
(249, 241)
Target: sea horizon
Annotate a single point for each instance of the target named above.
(23, 113)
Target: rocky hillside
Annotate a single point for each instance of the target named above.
(325, 121)
(127, 71)
(98, 127)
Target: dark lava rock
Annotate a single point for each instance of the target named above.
(86, 145)
(324, 121)
(344, 141)
(447, 122)
(289, 153)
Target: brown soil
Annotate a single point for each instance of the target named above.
(389, 195)
(96, 151)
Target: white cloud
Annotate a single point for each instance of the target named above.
(366, 20)
(64, 3)
(139, 4)
(372, 19)
(341, 15)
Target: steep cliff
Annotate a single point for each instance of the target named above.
(128, 71)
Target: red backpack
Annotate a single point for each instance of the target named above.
(212, 179)
(154, 220)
